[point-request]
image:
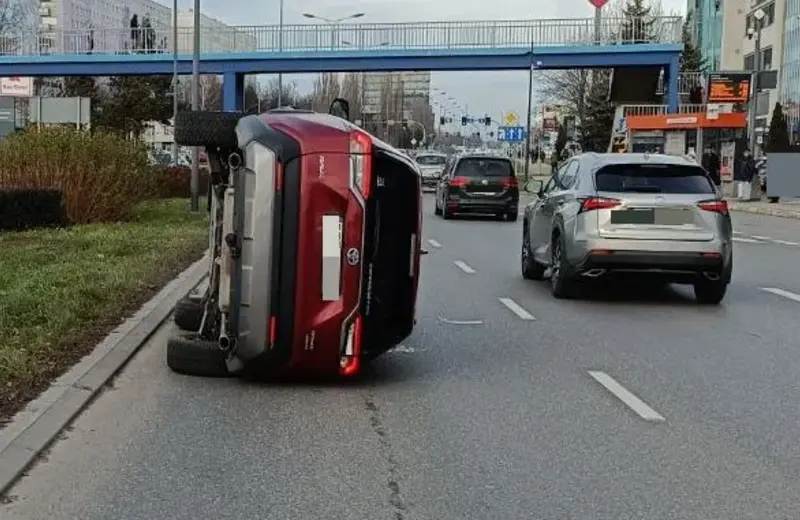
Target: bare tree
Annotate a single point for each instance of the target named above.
(17, 24)
(327, 87)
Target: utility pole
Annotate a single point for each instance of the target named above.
(195, 179)
(174, 80)
(528, 123)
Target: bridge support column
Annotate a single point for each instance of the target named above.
(673, 90)
(232, 92)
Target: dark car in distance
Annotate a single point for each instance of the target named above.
(478, 184)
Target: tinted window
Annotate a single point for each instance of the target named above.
(653, 178)
(430, 160)
(484, 167)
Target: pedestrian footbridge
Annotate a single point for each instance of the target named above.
(443, 46)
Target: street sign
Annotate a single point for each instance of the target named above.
(413, 142)
(511, 118)
(511, 134)
(598, 3)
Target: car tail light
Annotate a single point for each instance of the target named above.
(714, 206)
(350, 359)
(593, 203)
(510, 182)
(361, 162)
(458, 182)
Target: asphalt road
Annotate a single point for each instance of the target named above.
(489, 411)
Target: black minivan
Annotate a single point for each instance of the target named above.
(479, 184)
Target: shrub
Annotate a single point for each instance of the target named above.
(176, 182)
(101, 177)
(31, 208)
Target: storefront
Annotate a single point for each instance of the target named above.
(678, 134)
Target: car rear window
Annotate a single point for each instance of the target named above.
(653, 178)
(430, 160)
(484, 167)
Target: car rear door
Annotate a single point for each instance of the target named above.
(486, 177)
(654, 202)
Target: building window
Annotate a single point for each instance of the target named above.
(749, 62)
(766, 59)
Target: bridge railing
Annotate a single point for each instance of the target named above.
(655, 110)
(344, 37)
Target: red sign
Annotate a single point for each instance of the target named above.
(598, 3)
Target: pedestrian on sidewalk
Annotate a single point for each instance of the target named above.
(744, 174)
(710, 161)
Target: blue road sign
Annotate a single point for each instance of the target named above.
(512, 134)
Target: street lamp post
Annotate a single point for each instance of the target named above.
(174, 80)
(333, 22)
(280, 49)
(533, 66)
(195, 179)
(758, 16)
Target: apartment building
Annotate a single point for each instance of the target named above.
(790, 68)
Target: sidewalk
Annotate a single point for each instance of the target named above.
(789, 208)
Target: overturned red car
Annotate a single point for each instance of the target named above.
(314, 245)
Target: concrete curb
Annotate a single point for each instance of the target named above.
(32, 430)
(761, 210)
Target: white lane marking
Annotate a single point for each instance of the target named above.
(738, 233)
(780, 292)
(785, 242)
(517, 309)
(464, 267)
(460, 322)
(759, 237)
(624, 395)
(745, 240)
(434, 243)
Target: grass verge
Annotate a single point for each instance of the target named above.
(62, 291)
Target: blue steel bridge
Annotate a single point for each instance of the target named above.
(234, 52)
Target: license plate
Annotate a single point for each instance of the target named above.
(633, 216)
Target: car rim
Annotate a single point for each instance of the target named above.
(555, 268)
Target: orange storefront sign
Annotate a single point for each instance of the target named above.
(686, 121)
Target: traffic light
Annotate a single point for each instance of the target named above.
(405, 123)
(487, 121)
(442, 121)
(491, 134)
(463, 120)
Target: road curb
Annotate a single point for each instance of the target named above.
(761, 210)
(32, 430)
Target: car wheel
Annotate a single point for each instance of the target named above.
(561, 284)
(446, 213)
(193, 356)
(188, 314)
(511, 216)
(710, 292)
(531, 269)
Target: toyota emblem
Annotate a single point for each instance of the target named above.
(353, 256)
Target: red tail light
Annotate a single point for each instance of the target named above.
(361, 162)
(510, 182)
(458, 182)
(593, 203)
(714, 206)
(350, 360)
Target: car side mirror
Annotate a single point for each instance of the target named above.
(535, 187)
(340, 108)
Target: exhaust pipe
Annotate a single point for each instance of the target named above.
(711, 276)
(594, 273)
(224, 342)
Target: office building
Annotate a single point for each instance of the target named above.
(705, 19)
(394, 96)
(790, 69)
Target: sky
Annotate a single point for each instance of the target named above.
(492, 93)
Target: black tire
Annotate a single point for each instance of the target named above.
(189, 355)
(531, 269)
(207, 129)
(188, 314)
(511, 216)
(709, 292)
(436, 209)
(446, 214)
(561, 283)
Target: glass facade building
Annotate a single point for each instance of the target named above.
(790, 70)
(706, 23)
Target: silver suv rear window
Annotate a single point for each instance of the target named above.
(653, 178)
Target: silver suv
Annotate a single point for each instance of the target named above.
(628, 214)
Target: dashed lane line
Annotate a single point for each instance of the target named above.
(434, 243)
(517, 309)
(789, 295)
(745, 240)
(626, 396)
(760, 237)
(464, 267)
(785, 242)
